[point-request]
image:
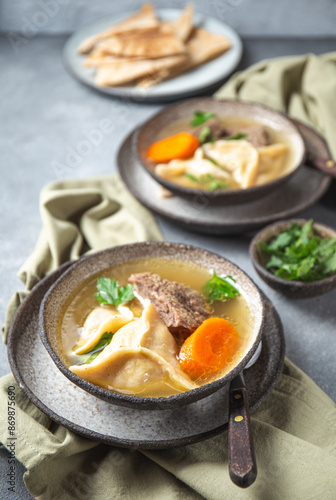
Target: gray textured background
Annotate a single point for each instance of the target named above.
(43, 110)
(262, 18)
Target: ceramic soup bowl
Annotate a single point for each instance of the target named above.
(87, 268)
(162, 125)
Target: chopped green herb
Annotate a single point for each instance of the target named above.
(206, 178)
(212, 160)
(191, 177)
(300, 254)
(200, 117)
(209, 181)
(217, 184)
(105, 339)
(237, 137)
(110, 292)
(204, 134)
(220, 288)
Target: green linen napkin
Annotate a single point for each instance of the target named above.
(302, 86)
(294, 429)
(294, 434)
(80, 216)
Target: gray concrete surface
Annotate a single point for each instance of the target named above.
(262, 18)
(44, 111)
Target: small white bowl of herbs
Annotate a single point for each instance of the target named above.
(296, 257)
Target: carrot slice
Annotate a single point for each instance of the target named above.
(209, 348)
(182, 145)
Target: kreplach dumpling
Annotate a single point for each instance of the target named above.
(140, 359)
(156, 335)
(99, 321)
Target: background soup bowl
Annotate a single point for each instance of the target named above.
(151, 131)
(70, 283)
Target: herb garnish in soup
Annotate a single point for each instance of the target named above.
(212, 154)
(155, 327)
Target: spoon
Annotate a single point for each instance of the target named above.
(242, 461)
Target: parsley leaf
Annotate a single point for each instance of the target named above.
(209, 181)
(217, 184)
(204, 134)
(200, 117)
(300, 254)
(218, 288)
(281, 242)
(109, 292)
(105, 339)
(237, 137)
(212, 160)
(191, 177)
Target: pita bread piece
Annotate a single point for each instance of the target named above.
(120, 72)
(202, 46)
(98, 56)
(182, 27)
(143, 20)
(150, 45)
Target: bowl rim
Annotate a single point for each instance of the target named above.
(140, 402)
(276, 279)
(184, 191)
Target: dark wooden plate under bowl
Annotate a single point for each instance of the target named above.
(150, 132)
(293, 289)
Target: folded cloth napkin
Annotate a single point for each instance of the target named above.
(294, 429)
(80, 216)
(294, 434)
(302, 86)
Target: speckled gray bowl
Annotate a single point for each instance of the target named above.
(72, 279)
(293, 289)
(148, 133)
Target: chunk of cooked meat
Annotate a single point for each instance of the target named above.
(217, 129)
(257, 134)
(180, 308)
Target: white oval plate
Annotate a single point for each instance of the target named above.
(188, 84)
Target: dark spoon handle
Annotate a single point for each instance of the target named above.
(327, 165)
(242, 461)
